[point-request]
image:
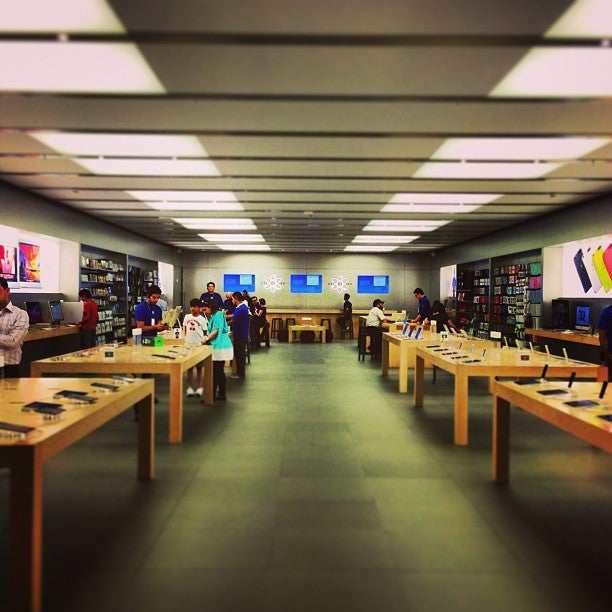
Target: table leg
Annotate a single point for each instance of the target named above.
(461, 409)
(323, 338)
(403, 368)
(501, 440)
(209, 392)
(384, 359)
(419, 377)
(290, 333)
(146, 438)
(25, 548)
(175, 435)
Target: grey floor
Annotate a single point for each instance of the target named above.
(317, 486)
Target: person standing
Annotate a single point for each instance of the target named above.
(604, 328)
(374, 320)
(89, 321)
(240, 333)
(440, 316)
(14, 323)
(148, 314)
(345, 321)
(223, 350)
(195, 326)
(211, 294)
(424, 305)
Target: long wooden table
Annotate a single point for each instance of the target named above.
(300, 328)
(584, 423)
(497, 362)
(565, 336)
(140, 360)
(407, 351)
(25, 458)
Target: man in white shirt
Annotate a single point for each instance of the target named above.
(14, 325)
(375, 318)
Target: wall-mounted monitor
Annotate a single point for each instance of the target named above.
(8, 263)
(57, 315)
(306, 283)
(34, 312)
(377, 284)
(583, 318)
(239, 282)
(29, 264)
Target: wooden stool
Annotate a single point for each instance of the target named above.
(277, 325)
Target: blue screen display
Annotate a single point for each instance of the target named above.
(377, 284)
(238, 282)
(306, 283)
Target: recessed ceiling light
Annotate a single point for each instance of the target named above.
(196, 223)
(233, 237)
(584, 19)
(484, 170)
(243, 247)
(385, 239)
(430, 208)
(195, 206)
(65, 16)
(149, 167)
(76, 67)
(400, 225)
(121, 145)
(182, 196)
(559, 72)
(517, 148)
(363, 248)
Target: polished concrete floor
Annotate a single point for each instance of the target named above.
(317, 487)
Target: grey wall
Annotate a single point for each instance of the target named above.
(405, 271)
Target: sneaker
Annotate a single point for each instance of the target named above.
(190, 392)
(200, 391)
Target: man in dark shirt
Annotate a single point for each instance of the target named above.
(345, 321)
(424, 306)
(240, 333)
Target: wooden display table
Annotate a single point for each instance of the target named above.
(140, 360)
(584, 423)
(44, 333)
(25, 458)
(300, 328)
(497, 362)
(565, 336)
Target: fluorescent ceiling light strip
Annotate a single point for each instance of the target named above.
(232, 237)
(75, 67)
(65, 16)
(243, 247)
(584, 19)
(429, 208)
(182, 196)
(484, 170)
(149, 167)
(215, 223)
(195, 206)
(385, 239)
(398, 225)
(121, 145)
(443, 198)
(362, 248)
(559, 72)
(517, 148)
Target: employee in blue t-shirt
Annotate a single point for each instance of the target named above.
(148, 314)
(240, 333)
(424, 306)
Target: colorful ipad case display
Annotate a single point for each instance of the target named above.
(29, 264)
(582, 271)
(8, 263)
(600, 268)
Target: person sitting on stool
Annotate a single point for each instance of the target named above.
(374, 320)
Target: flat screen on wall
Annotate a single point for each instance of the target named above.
(8, 263)
(239, 282)
(29, 264)
(377, 284)
(306, 283)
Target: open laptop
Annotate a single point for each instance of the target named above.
(73, 312)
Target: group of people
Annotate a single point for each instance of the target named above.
(426, 313)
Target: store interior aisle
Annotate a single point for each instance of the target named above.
(316, 486)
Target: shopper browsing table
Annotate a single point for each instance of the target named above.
(14, 323)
